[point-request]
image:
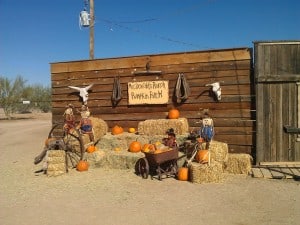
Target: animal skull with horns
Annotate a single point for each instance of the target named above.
(83, 92)
(216, 89)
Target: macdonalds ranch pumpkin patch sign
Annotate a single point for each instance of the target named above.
(148, 92)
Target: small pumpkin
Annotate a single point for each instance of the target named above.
(117, 149)
(183, 174)
(200, 140)
(146, 147)
(202, 156)
(135, 146)
(82, 165)
(131, 130)
(91, 149)
(173, 114)
(117, 130)
(48, 140)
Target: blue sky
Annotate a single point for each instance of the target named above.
(35, 33)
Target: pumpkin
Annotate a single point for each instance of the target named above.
(200, 140)
(183, 174)
(91, 149)
(173, 114)
(135, 146)
(82, 165)
(131, 130)
(117, 149)
(202, 156)
(48, 140)
(117, 130)
(146, 147)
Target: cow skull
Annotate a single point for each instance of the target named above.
(83, 92)
(216, 89)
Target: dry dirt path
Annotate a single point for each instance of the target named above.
(118, 197)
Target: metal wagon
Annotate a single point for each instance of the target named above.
(158, 164)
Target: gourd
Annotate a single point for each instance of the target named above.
(117, 130)
(135, 146)
(173, 114)
(82, 165)
(131, 130)
(91, 149)
(202, 156)
(183, 174)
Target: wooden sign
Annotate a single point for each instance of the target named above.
(148, 92)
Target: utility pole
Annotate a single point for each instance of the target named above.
(92, 22)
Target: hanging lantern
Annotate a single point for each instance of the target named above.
(84, 18)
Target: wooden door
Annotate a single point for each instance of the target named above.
(277, 73)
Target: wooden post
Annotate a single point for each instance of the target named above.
(92, 29)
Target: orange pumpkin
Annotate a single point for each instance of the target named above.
(202, 156)
(200, 140)
(117, 130)
(135, 146)
(173, 114)
(146, 147)
(48, 140)
(82, 165)
(91, 149)
(183, 174)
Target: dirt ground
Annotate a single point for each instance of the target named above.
(119, 197)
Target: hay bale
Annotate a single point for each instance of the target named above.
(238, 163)
(56, 162)
(119, 160)
(100, 127)
(95, 157)
(219, 151)
(160, 126)
(204, 173)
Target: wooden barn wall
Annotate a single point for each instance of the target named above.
(277, 75)
(234, 115)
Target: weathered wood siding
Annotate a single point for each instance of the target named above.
(234, 115)
(277, 71)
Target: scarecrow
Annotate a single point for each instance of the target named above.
(69, 118)
(85, 124)
(170, 141)
(207, 129)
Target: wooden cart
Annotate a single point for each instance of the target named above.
(159, 164)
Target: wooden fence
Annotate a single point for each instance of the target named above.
(234, 114)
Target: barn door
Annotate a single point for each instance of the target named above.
(277, 74)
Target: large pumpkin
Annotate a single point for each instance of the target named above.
(135, 146)
(82, 165)
(183, 174)
(117, 130)
(202, 156)
(91, 149)
(173, 114)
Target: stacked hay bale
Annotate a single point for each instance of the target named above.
(206, 173)
(56, 160)
(160, 126)
(238, 163)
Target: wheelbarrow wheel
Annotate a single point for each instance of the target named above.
(70, 141)
(143, 168)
